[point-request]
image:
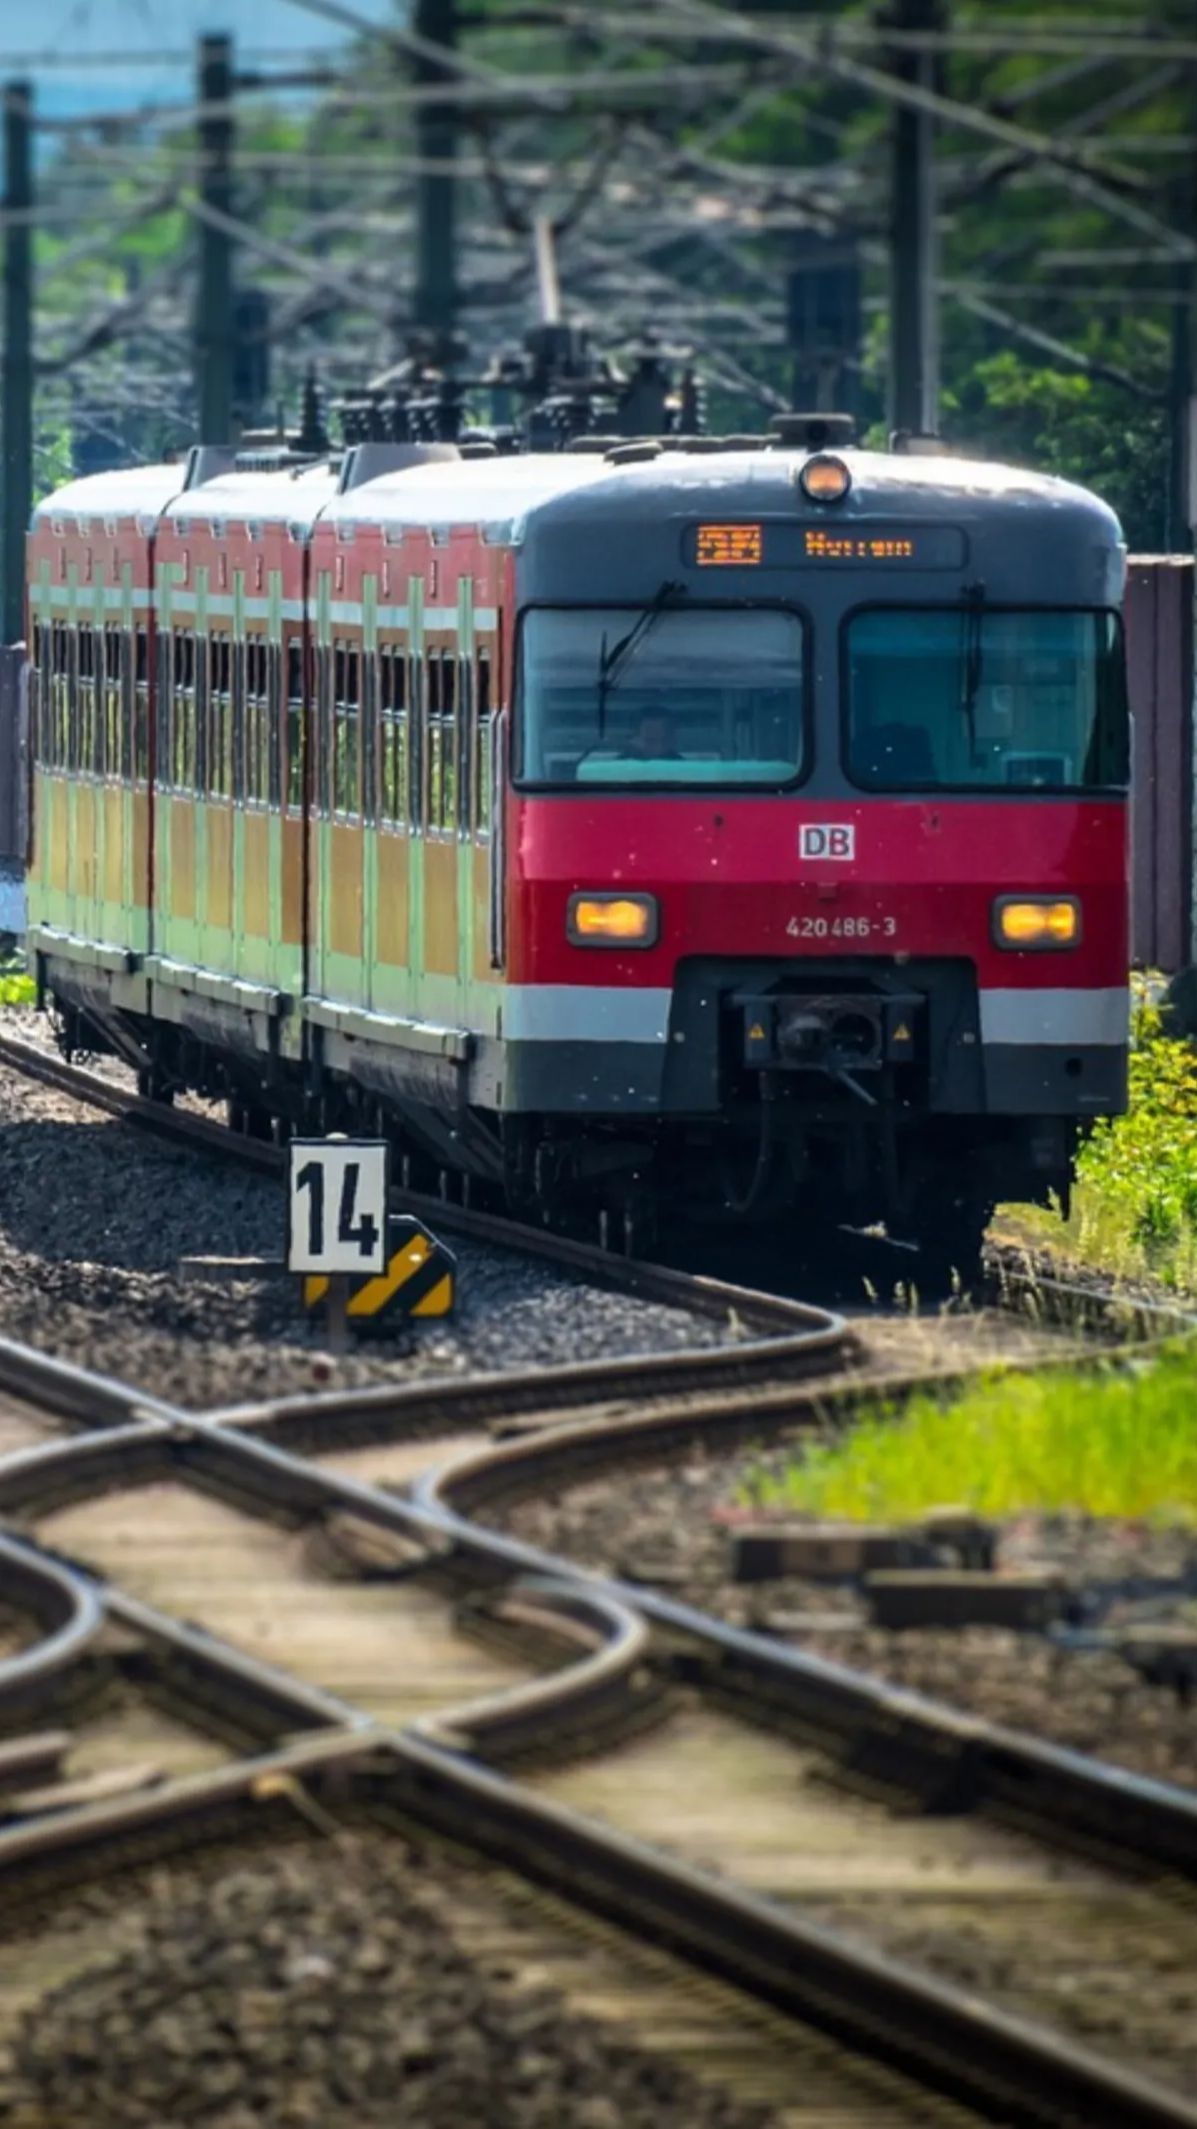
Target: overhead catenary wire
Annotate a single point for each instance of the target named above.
(643, 185)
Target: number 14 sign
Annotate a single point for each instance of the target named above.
(337, 1205)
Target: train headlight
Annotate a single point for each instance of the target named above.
(613, 919)
(1036, 923)
(825, 479)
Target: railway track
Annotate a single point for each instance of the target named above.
(1059, 1302)
(281, 1650)
(382, 1568)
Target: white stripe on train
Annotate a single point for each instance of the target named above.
(594, 1012)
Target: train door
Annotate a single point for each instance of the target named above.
(224, 788)
(115, 882)
(440, 783)
(141, 826)
(335, 828)
(51, 896)
(88, 840)
(182, 677)
(394, 691)
(252, 815)
(291, 931)
(57, 827)
(368, 743)
(485, 844)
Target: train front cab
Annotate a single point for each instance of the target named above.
(819, 841)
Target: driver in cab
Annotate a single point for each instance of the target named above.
(654, 739)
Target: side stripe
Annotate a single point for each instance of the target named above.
(112, 597)
(583, 1012)
(1059, 1018)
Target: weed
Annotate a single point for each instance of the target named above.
(1116, 1443)
(17, 990)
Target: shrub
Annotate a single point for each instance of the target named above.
(1135, 1204)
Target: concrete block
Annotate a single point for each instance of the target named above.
(963, 1597)
(822, 1552)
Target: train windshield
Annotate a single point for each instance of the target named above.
(664, 694)
(970, 699)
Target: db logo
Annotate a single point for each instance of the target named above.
(827, 842)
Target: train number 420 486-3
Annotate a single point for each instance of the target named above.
(842, 928)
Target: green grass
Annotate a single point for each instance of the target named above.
(1119, 1443)
(17, 990)
(1134, 1210)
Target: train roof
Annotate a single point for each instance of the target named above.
(504, 492)
(129, 491)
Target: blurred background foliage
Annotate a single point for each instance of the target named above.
(680, 209)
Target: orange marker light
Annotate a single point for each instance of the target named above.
(612, 920)
(1036, 923)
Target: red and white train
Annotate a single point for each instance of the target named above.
(738, 831)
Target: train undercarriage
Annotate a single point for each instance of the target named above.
(798, 1151)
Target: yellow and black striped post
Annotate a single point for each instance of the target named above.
(420, 1279)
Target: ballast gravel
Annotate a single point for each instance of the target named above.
(323, 1992)
(669, 1529)
(95, 1216)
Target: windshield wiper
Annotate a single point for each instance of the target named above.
(614, 663)
(973, 660)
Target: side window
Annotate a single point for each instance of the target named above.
(465, 745)
(324, 727)
(346, 735)
(186, 734)
(368, 667)
(128, 708)
(187, 727)
(75, 720)
(274, 725)
(416, 740)
(483, 714)
(115, 763)
(37, 682)
(393, 751)
(449, 708)
(164, 764)
(141, 705)
(90, 729)
(180, 713)
(220, 718)
(239, 714)
(294, 782)
(37, 686)
(257, 761)
(62, 690)
(440, 728)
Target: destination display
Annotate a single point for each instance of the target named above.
(753, 544)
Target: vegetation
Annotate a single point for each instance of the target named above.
(1121, 1443)
(17, 990)
(1056, 315)
(1134, 1210)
